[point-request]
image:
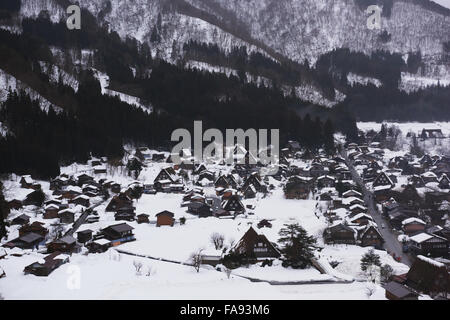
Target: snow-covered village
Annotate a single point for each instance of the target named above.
(369, 222)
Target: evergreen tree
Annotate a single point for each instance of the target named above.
(298, 246)
(370, 259)
(134, 166)
(328, 132)
(386, 271)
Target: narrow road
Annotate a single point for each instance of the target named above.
(82, 219)
(391, 242)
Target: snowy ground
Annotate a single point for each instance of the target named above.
(105, 276)
(431, 146)
(109, 276)
(406, 127)
(349, 258)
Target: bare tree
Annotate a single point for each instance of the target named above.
(196, 259)
(56, 232)
(218, 240)
(150, 271)
(227, 272)
(370, 290)
(138, 266)
(231, 243)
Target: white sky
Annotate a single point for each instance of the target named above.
(444, 3)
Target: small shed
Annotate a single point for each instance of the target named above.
(143, 218)
(397, 291)
(165, 218)
(84, 236)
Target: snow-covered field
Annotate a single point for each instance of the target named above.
(431, 146)
(406, 127)
(410, 82)
(109, 276)
(112, 275)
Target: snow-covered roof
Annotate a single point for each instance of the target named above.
(101, 241)
(421, 237)
(27, 179)
(85, 197)
(350, 200)
(74, 188)
(385, 187)
(413, 220)
(351, 192)
(357, 206)
(429, 174)
(431, 261)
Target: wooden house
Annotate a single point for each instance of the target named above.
(233, 204)
(249, 192)
(115, 187)
(99, 169)
(28, 183)
(119, 201)
(21, 220)
(165, 218)
(413, 225)
(58, 183)
(255, 180)
(429, 276)
(167, 174)
(34, 198)
(49, 264)
(382, 180)
(99, 245)
(444, 182)
(256, 246)
(316, 170)
(66, 244)
(357, 209)
(398, 291)
(143, 218)
(66, 216)
(35, 227)
(409, 196)
(428, 244)
(51, 211)
(298, 187)
(82, 200)
(84, 179)
(119, 233)
(340, 234)
(352, 193)
(15, 204)
(361, 219)
(325, 182)
(370, 236)
(84, 236)
(28, 240)
(264, 223)
(71, 192)
(125, 213)
(199, 208)
(429, 177)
